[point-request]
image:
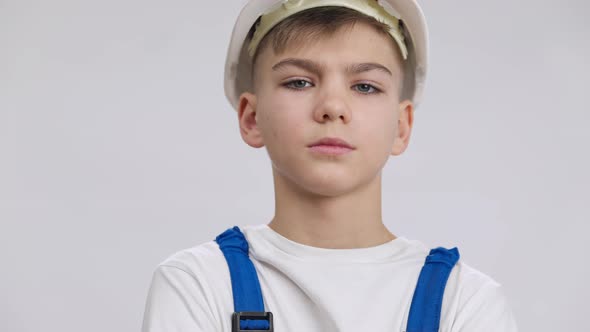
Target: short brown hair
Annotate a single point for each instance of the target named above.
(312, 24)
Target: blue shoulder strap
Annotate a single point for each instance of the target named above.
(426, 305)
(249, 314)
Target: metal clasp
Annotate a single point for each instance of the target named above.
(263, 315)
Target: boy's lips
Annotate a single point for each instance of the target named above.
(331, 146)
(332, 142)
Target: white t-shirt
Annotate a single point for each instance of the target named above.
(317, 289)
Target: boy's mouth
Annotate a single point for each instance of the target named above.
(332, 142)
(331, 146)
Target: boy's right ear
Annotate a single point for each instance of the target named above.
(248, 122)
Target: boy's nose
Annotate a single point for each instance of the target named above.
(332, 106)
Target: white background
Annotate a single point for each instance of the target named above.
(118, 148)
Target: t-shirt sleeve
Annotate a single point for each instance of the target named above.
(177, 302)
(486, 311)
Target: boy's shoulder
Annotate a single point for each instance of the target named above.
(200, 259)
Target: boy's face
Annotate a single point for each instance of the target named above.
(346, 86)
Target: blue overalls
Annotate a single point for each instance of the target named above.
(249, 314)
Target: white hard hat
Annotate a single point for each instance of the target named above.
(413, 42)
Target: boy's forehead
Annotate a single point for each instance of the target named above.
(349, 46)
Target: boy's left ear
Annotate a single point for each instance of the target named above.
(404, 127)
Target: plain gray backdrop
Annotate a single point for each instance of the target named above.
(118, 148)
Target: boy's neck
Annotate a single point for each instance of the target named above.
(340, 222)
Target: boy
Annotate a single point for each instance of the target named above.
(329, 88)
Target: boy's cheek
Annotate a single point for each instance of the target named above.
(281, 109)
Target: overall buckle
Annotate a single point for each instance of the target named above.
(255, 315)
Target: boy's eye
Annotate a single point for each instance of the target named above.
(300, 84)
(297, 84)
(366, 88)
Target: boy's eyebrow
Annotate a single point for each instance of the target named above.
(366, 66)
(307, 65)
(316, 69)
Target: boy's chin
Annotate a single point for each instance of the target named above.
(328, 184)
(332, 191)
